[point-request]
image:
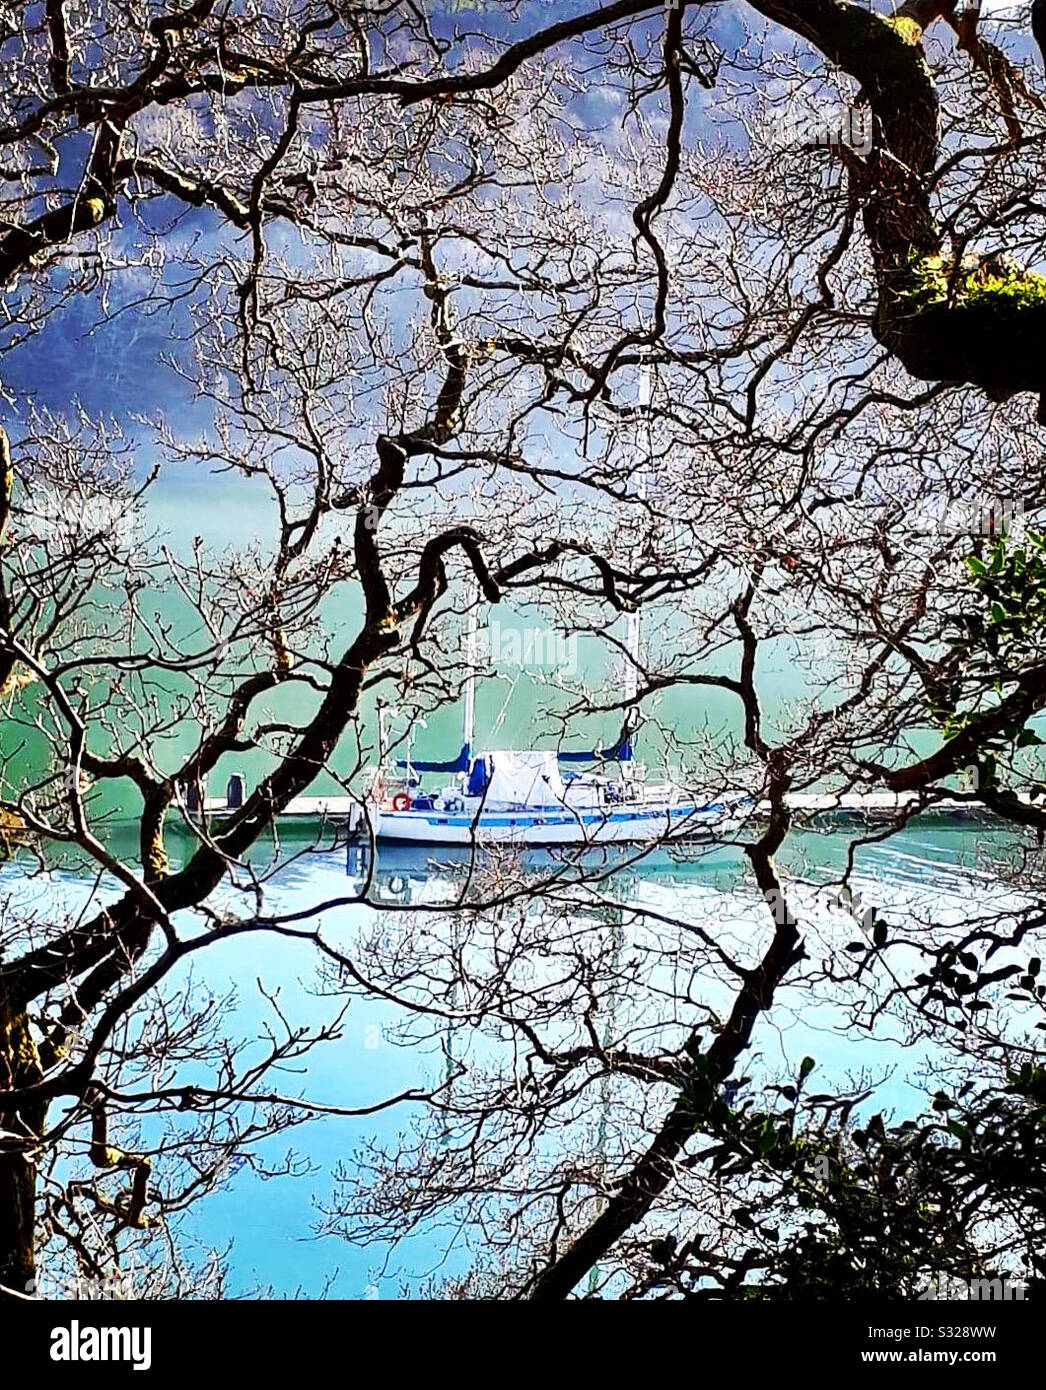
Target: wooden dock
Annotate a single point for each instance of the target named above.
(879, 807)
(301, 808)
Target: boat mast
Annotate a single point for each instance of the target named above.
(633, 636)
(631, 682)
(469, 690)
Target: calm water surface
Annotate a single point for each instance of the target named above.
(270, 1223)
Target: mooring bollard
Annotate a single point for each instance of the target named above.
(235, 791)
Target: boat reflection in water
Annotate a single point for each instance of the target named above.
(430, 877)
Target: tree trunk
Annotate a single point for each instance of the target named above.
(19, 1066)
(17, 1222)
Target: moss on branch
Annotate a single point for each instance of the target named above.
(988, 280)
(981, 321)
(910, 30)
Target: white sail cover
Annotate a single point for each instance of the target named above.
(523, 779)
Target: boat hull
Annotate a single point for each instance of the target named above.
(625, 825)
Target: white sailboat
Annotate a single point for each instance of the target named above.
(535, 798)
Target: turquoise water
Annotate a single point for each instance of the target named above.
(271, 1223)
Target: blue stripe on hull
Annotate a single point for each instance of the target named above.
(523, 819)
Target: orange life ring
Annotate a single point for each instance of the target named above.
(401, 802)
